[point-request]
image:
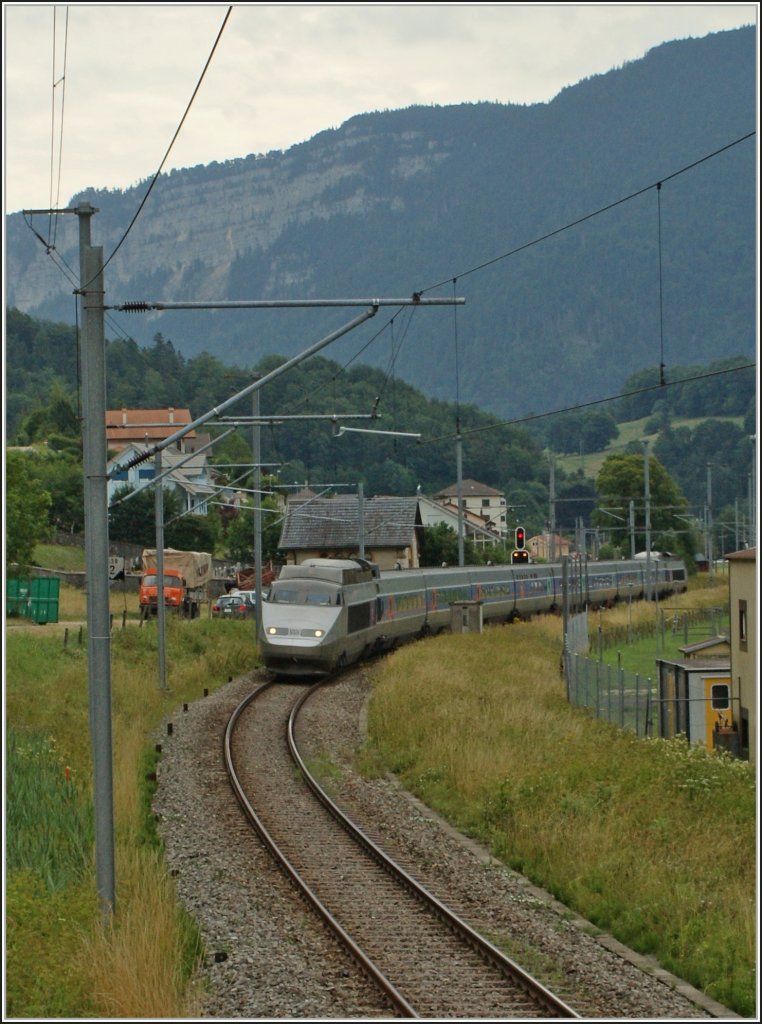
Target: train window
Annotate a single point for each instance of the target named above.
(304, 592)
(720, 696)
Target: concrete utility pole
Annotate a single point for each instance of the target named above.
(256, 455)
(93, 356)
(161, 611)
(459, 490)
(552, 539)
(709, 538)
(647, 489)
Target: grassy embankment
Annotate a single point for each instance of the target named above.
(651, 840)
(60, 960)
(648, 839)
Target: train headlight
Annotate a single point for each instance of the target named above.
(272, 630)
(313, 632)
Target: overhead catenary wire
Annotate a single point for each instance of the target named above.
(56, 82)
(594, 213)
(483, 428)
(171, 144)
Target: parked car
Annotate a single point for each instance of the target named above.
(233, 606)
(250, 597)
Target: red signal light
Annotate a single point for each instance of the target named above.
(520, 537)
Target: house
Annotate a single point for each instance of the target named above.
(743, 645)
(546, 547)
(187, 473)
(483, 504)
(146, 426)
(333, 528)
(432, 513)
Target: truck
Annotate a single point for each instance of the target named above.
(186, 578)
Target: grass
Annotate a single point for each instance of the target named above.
(629, 432)
(651, 840)
(59, 556)
(61, 961)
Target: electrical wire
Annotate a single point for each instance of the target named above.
(595, 213)
(587, 405)
(53, 218)
(169, 148)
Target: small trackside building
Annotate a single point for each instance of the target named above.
(743, 644)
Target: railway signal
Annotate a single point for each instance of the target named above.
(520, 554)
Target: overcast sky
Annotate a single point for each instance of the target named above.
(124, 74)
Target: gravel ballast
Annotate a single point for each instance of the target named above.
(267, 956)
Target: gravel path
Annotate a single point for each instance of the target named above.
(269, 957)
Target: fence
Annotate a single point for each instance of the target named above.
(623, 698)
(686, 623)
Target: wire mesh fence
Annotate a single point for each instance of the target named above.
(611, 692)
(623, 698)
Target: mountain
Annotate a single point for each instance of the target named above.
(396, 202)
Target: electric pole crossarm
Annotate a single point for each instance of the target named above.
(275, 421)
(149, 307)
(254, 386)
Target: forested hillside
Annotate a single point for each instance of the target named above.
(577, 271)
(42, 403)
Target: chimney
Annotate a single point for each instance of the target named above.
(171, 414)
(124, 417)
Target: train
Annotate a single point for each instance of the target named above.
(327, 613)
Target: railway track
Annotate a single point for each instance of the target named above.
(427, 961)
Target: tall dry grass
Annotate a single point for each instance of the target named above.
(138, 964)
(653, 840)
(141, 965)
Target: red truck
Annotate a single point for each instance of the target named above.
(186, 578)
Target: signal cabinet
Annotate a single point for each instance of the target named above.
(696, 700)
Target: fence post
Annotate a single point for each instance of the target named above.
(621, 695)
(608, 693)
(637, 704)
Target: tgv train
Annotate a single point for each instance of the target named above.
(327, 613)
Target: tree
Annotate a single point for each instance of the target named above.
(440, 545)
(622, 480)
(134, 521)
(26, 511)
(239, 539)
(57, 417)
(60, 474)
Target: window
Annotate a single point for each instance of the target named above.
(720, 696)
(485, 502)
(743, 625)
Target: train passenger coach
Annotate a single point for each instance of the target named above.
(326, 613)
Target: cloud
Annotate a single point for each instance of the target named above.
(283, 73)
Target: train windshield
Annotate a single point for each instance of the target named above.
(304, 592)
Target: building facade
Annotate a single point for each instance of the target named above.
(743, 644)
(483, 505)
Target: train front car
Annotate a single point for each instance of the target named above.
(304, 618)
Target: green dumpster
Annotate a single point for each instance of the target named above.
(35, 599)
